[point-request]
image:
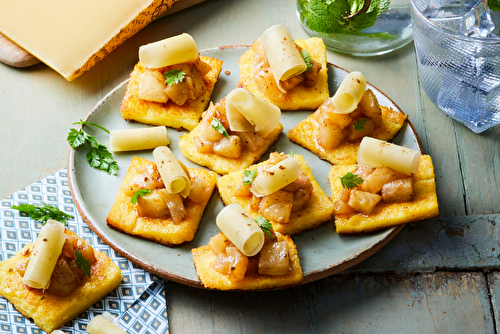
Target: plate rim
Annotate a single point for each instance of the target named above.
(320, 273)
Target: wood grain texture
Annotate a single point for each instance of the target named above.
(428, 303)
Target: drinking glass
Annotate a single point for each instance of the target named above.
(458, 53)
(368, 28)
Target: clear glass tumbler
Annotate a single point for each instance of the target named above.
(459, 73)
(361, 28)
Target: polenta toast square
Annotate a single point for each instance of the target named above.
(49, 311)
(170, 114)
(124, 217)
(305, 134)
(424, 204)
(204, 257)
(318, 210)
(299, 97)
(226, 164)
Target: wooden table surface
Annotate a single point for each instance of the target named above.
(436, 276)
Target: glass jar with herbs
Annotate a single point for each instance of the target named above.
(358, 27)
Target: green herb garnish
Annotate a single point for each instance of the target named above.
(344, 16)
(307, 58)
(98, 157)
(173, 77)
(217, 125)
(249, 176)
(43, 212)
(291, 153)
(82, 263)
(140, 192)
(351, 180)
(359, 125)
(265, 225)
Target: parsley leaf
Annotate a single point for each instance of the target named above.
(82, 263)
(265, 225)
(173, 77)
(307, 58)
(217, 125)
(350, 180)
(359, 125)
(98, 156)
(249, 176)
(43, 212)
(141, 192)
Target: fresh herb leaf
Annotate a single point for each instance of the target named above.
(351, 180)
(265, 225)
(43, 212)
(98, 156)
(344, 16)
(82, 263)
(249, 176)
(307, 58)
(291, 153)
(173, 77)
(217, 125)
(359, 125)
(140, 192)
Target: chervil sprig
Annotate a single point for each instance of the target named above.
(43, 212)
(140, 192)
(350, 180)
(265, 225)
(359, 125)
(82, 263)
(249, 176)
(173, 77)
(98, 156)
(217, 125)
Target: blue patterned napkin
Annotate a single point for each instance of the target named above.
(138, 303)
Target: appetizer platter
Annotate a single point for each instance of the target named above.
(322, 251)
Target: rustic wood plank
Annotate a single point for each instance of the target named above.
(494, 290)
(457, 243)
(429, 303)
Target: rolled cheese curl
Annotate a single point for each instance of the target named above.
(100, 325)
(349, 93)
(48, 246)
(138, 139)
(282, 54)
(170, 51)
(276, 177)
(241, 229)
(378, 153)
(173, 175)
(246, 112)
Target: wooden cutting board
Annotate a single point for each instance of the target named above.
(72, 36)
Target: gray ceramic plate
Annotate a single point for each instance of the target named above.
(322, 251)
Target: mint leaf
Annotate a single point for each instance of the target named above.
(82, 263)
(265, 225)
(344, 16)
(173, 77)
(217, 125)
(140, 192)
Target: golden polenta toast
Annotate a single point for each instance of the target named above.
(336, 137)
(162, 228)
(247, 278)
(48, 310)
(220, 154)
(170, 114)
(300, 97)
(314, 211)
(423, 202)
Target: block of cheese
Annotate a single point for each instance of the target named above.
(72, 36)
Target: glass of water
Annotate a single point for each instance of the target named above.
(458, 51)
(361, 28)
